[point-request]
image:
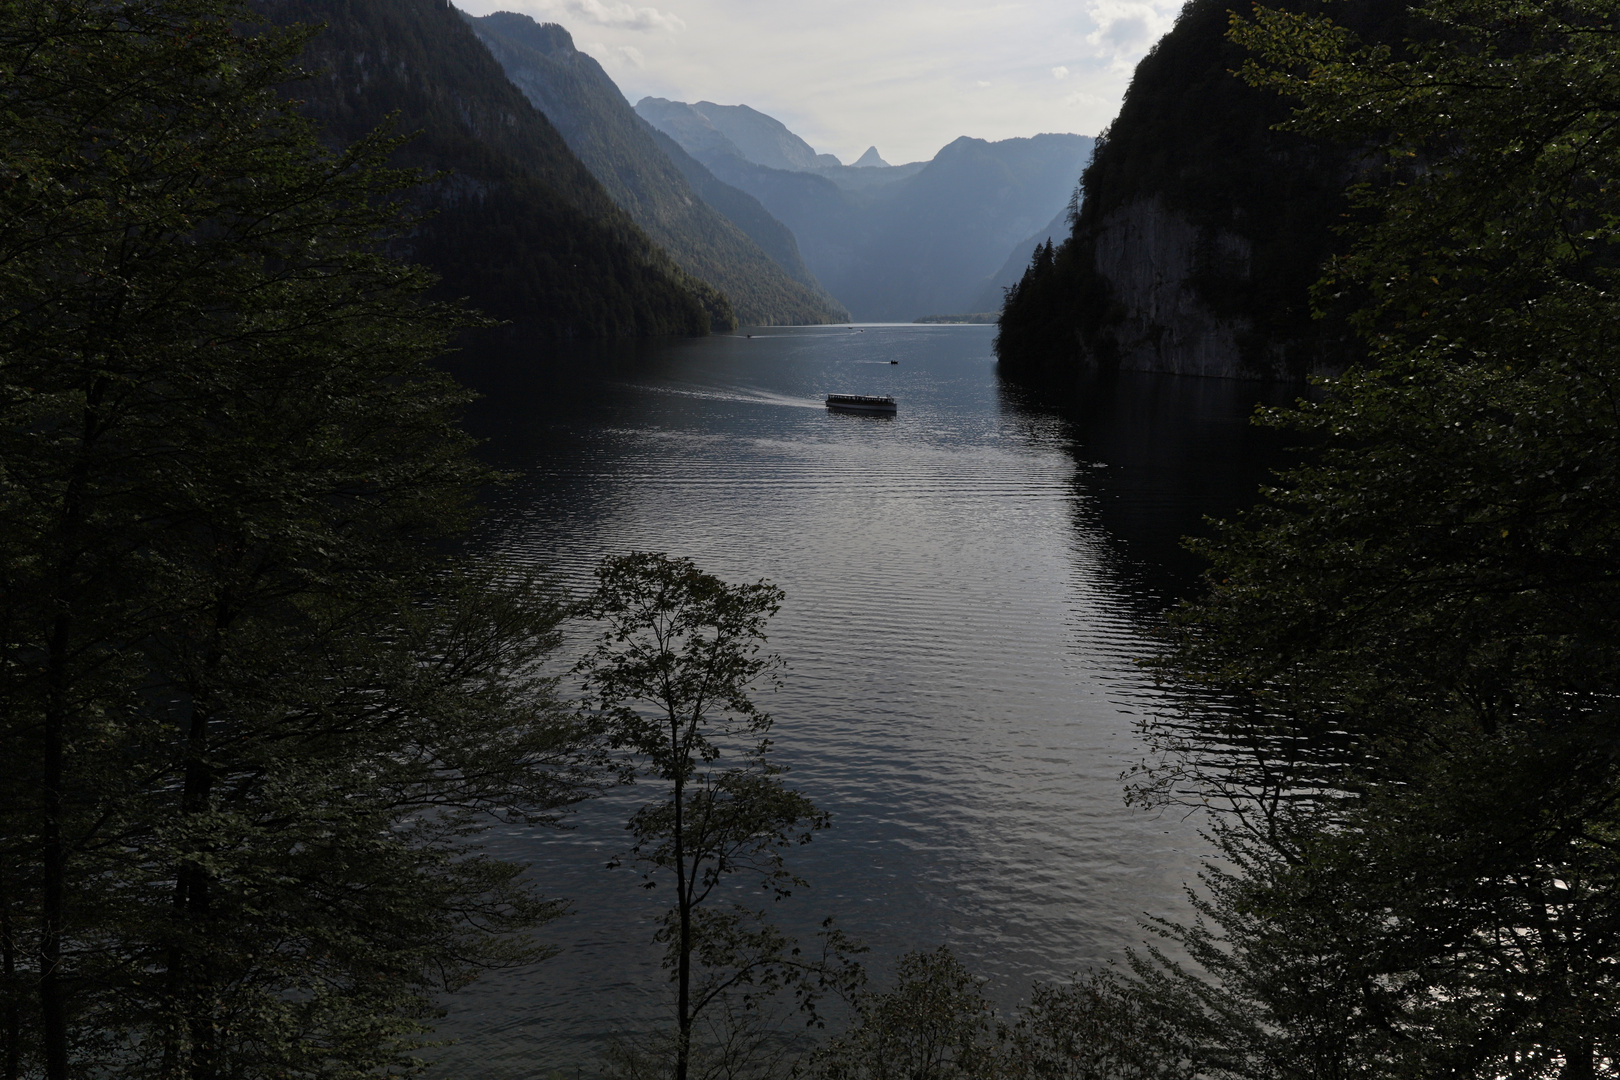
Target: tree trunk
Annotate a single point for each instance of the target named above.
(53, 997)
(1578, 1061)
(52, 994)
(193, 1050)
(12, 1063)
(683, 969)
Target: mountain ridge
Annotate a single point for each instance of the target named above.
(519, 225)
(900, 242)
(619, 148)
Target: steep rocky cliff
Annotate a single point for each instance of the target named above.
(1151, 254)
(1200, 229)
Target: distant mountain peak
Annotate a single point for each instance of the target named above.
(870, 160)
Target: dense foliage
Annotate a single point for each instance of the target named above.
(1402, 685)
(522, 227)
(251, 712)
(935, 1023)
(1202, 145)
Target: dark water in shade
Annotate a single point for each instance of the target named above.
(967, 584)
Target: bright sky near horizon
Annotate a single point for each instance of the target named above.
(907, 76)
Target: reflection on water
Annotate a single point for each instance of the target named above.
(1157, 456)
(967, 584)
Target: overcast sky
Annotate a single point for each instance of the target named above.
(905, 75)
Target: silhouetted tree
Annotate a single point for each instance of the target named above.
(251, 711)
(671, 680)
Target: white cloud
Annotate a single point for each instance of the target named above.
(616, 55)
(906, 75)
(620, 15)
(1127, 31)
(1060, 72)
(1125, 28)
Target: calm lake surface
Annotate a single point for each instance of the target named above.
(968, 584)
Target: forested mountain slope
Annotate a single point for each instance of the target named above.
(619, 148)
(521, 228)
(1201, 229)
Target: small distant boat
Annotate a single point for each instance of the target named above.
(871, 403)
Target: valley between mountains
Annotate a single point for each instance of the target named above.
(554, 203)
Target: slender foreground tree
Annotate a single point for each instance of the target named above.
(671, 678)
(250, 713)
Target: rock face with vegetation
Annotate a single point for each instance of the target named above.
(766, 284)
(520, 227)
(744, 211)
(1200, 228)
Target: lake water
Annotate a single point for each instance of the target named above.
(968, 584)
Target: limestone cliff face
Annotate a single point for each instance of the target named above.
(1151, 256)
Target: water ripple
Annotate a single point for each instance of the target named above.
(962, 687)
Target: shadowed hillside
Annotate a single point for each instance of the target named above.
(522, 228)
(619, 148)
(745, 212)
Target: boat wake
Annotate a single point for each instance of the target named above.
(740, 394)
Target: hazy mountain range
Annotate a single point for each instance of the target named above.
(893, 243)
(990, 295)
(554, 204)
(707, 129)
